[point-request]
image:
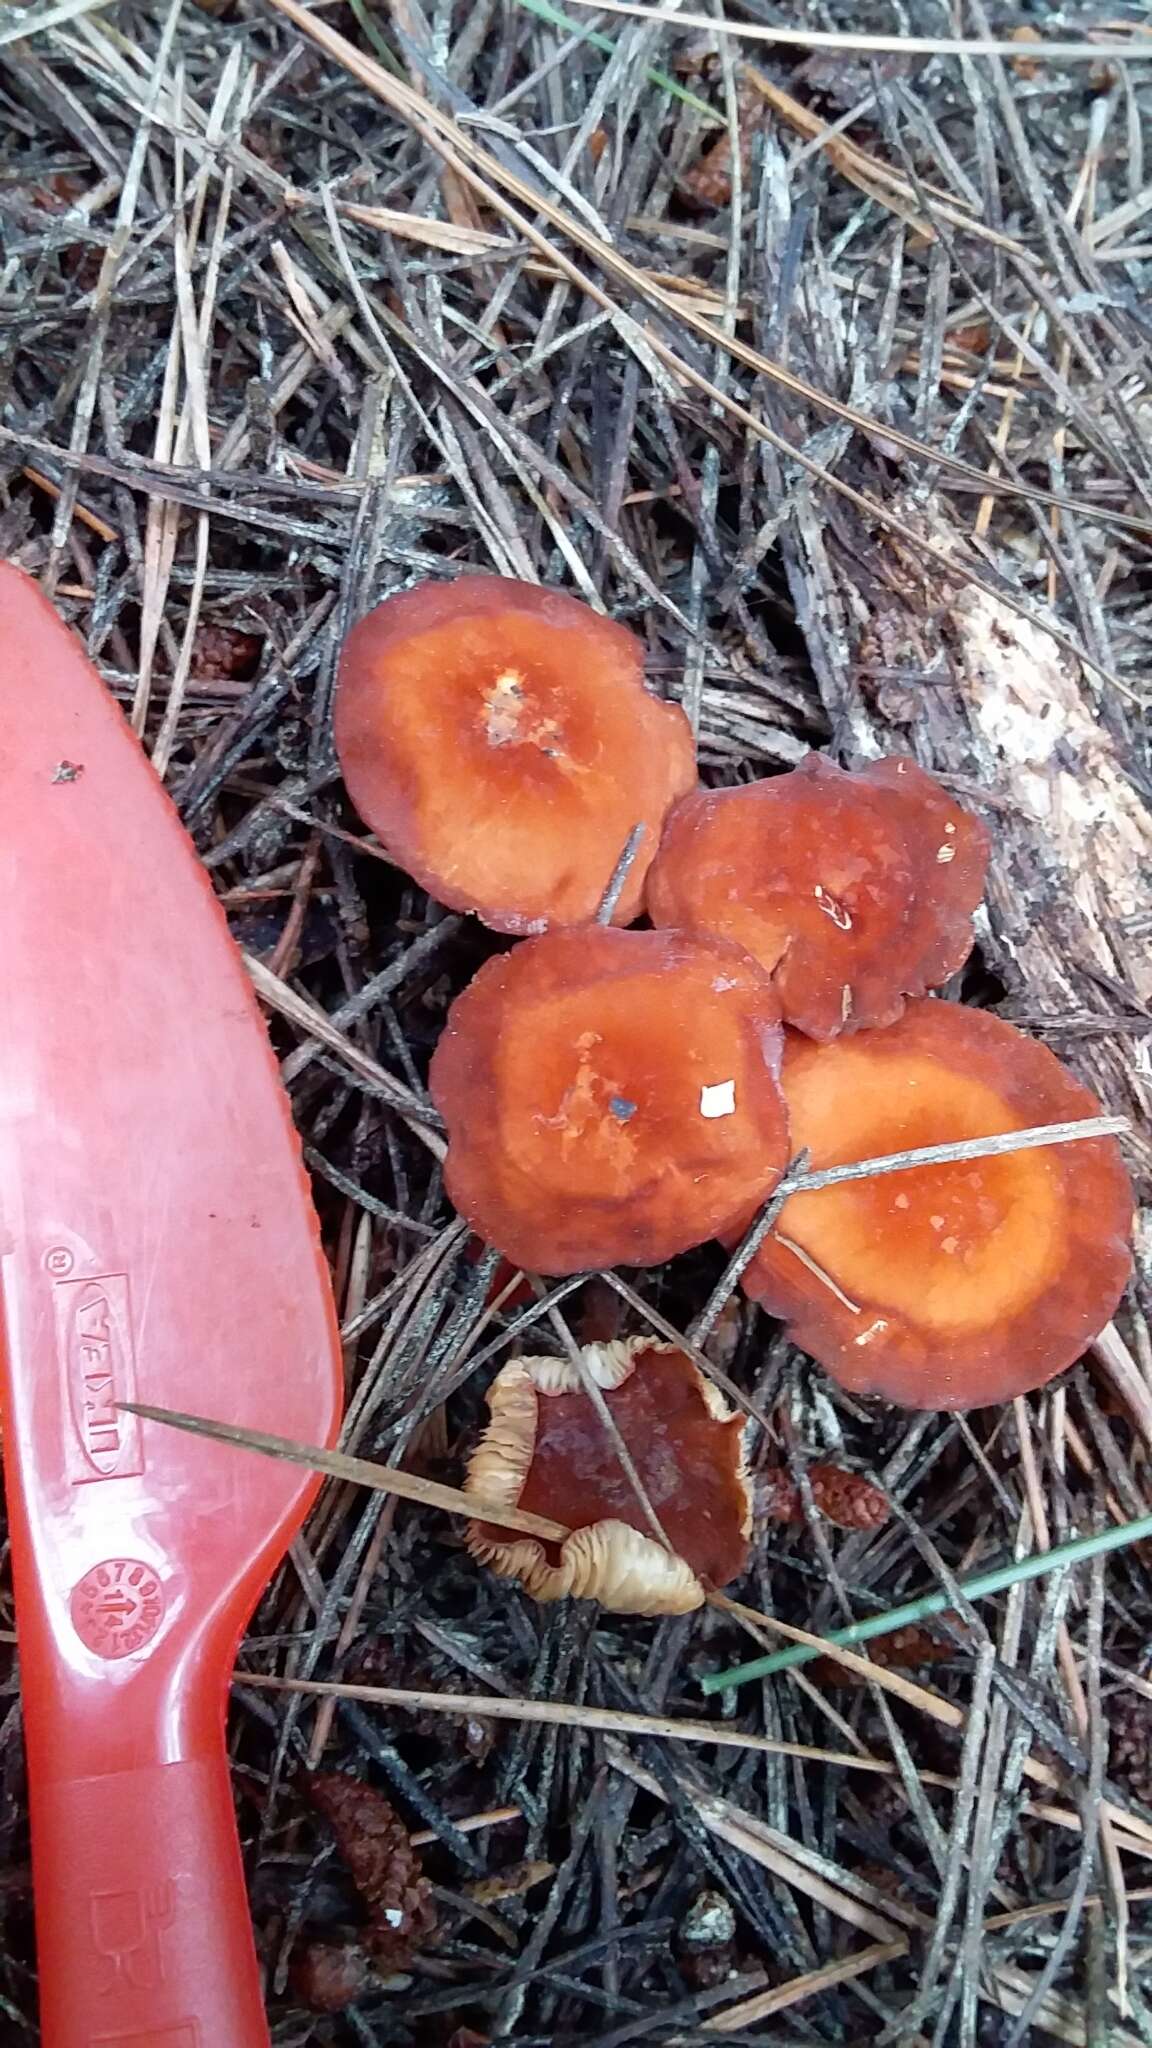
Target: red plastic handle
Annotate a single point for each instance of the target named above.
(157, 1242)
(142, 1927)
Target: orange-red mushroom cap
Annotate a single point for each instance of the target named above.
(853, 890)
(611, 1097)
(546, 1451)
(499, 739)
(944, 1286)
(949, 847)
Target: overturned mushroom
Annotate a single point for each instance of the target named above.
(852, 890)
(955, 1285)
(546, 1450)
(611, 1097)
(499, 739)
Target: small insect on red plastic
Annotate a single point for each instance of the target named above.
(500, 741)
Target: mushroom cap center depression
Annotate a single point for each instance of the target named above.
(526, 691)
(511, 717)
(952, 1247)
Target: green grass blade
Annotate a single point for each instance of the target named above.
(372, 35)
(979, 1587)
(555, 17)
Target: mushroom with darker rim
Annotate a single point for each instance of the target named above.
(499, 739)
(954, 1285)
(854, 890)
(611, 1097)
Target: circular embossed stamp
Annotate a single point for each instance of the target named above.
(117, 1607)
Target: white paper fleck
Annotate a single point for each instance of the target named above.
(719, 1099)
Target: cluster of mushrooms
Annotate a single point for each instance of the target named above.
(616, 1096)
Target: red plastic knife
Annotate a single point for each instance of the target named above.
(157, 1242)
